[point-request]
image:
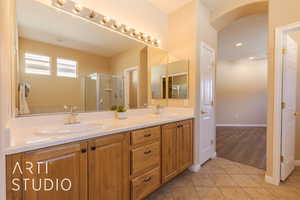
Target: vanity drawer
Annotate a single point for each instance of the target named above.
(145, 157)
(145, 135)
(145, 184)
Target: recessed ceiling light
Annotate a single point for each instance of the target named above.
(239, 44)
(251, 58)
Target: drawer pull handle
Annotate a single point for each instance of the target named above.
(147, 152)
(147, 135)
(83, 150)
(93, 148)
(147, 179)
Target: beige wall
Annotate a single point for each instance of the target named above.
(135, 57)
(188, 27)
(233, 10)
(7, 61)
(242, 92)
(127, 59)
(182, 45)
(50, 93)
(280, 14)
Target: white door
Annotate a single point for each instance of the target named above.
(289, 109)
(207, 112)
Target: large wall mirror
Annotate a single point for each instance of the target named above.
(64, 60)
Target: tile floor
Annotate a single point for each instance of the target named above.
(221, 179)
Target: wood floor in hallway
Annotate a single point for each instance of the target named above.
(246, 145)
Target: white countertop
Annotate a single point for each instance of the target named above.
(23, 137)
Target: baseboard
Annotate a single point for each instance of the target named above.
(214, 155)
(297, 163)
(195, 168)
(271, 180)
(241, 125)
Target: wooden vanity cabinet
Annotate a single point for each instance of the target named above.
(109, 167)
(115, 167)
(66, 163)
(177, 148)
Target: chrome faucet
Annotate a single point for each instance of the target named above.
(72, 118)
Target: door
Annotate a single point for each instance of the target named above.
(109, 168)
(66, 164)
(207, 112)
(185, 147)
(169, 151)
(289, 107)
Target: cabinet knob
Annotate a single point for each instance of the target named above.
(147, 179)
(147, 152)
(93, 148)
(83, 150)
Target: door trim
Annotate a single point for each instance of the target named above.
(126, 85)
(281, 33)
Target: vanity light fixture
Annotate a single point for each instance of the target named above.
(73, 7)
(157, 42)
(77, 8)
(92, 15)
(105, 20)
(126, 29)
(116, 25)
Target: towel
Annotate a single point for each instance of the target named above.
(23, 109)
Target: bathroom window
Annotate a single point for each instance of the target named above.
(66, 68)
(37, 64)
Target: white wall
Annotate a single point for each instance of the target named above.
(139, 14)
(242, 92)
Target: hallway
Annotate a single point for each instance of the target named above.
(246, 145)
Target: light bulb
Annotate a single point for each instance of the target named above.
(116, 25)
(105, 20)
(126, 29)
(77, 8)
(92, 15)
(60, 2)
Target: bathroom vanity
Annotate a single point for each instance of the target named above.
(74, 66)
(119, 166)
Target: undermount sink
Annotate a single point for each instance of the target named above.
(69, 129)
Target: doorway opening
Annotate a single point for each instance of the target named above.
(131, 79)
(241, 91)
(286, 103)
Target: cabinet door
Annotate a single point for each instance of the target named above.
(58, 173)
(109, 168)
(169, 151)
(185, 144)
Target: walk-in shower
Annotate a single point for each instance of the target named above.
(102, 91)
